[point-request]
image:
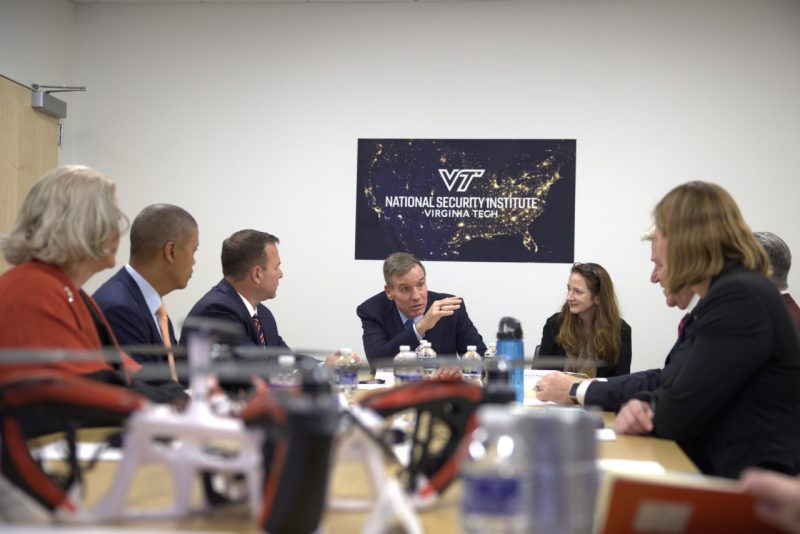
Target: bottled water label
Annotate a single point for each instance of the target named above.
(493, 495)
(497, 486)
(406, 378)
(472, 365)
(348, 378)
(472, 375)
(406, 368)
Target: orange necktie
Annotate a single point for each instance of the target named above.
(163, 321)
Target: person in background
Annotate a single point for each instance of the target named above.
(732, 401)
(67, 230)
(780, 258)
(405, 313)
(164, 239)
(609, 394)
(589, 330)
(778, 494)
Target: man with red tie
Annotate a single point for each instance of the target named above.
(251, 268)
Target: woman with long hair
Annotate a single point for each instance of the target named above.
(589, 330)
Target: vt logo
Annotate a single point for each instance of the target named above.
(462, 176)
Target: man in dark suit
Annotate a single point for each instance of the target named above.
(405, 312)
(251, 268)
(164, 239)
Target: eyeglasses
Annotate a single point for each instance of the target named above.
(585, 268)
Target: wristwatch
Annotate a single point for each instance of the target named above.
(573, 393)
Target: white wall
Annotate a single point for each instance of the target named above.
(248, 116)
(37, 45)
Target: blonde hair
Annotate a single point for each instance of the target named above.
(705, 230)
(67, 216)
(605, 342)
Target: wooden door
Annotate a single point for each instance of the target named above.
(28, 148)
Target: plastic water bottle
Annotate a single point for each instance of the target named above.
(406, 371)
(427, 356)
(472, 364)
(406, 366)
(510, 348)
(496, 480)
(345, 370)
(287, 376)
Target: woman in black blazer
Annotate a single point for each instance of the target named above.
(732, 398)
(589, 330)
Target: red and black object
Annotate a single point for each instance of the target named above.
(299, 428)
(445, 416)
(36, 403)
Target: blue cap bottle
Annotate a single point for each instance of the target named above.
(511, 349)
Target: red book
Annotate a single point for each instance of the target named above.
(674, 503)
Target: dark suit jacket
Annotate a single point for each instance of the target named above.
(794, 309)
(732, 399)
(549, 347)
(617, 390)
(224, 303)
(123, 305)
(384, 332)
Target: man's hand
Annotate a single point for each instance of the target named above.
(778, 497)
(439, 309)
(447, 373)
(554, 387)
(636, 417)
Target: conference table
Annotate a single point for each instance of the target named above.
(152, 488)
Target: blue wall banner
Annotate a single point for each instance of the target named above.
(466, 199)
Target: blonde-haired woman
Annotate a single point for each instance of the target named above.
(731, 397)
(68, 229)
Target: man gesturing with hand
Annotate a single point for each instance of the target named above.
(405, 313)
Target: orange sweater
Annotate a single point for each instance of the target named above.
(41, 308)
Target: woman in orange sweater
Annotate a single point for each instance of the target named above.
(67, 230)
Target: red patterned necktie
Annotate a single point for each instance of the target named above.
(259, 331)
